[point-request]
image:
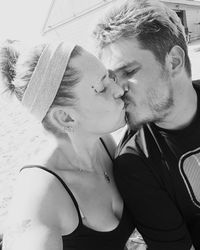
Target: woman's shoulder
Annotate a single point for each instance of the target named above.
(37, 195)
(32, 213)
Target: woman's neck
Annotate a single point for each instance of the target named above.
(80, 153)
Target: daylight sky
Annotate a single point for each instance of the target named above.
(22, 19)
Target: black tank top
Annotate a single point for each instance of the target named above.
(85, 238)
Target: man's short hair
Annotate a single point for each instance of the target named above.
(155, 26)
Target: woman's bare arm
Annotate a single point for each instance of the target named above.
(32, 222)
(28, 235)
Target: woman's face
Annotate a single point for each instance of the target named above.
(100, 107)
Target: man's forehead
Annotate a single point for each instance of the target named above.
(109, 57)
(113, 59)
(120, 53)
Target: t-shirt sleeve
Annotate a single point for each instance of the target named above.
(155, 214)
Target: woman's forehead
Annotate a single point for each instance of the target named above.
(87, 63)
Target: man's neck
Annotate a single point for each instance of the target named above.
(183, 111)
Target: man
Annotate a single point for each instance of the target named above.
(157, 170)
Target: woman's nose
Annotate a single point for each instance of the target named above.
(118, 91)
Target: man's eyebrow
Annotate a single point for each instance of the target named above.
(125, 66)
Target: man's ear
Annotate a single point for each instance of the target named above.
(176, 60)
(62, 117)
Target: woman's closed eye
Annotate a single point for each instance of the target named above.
(99, 88)
(102, 86)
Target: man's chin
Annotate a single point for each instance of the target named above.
(135, 127)
(133, 123)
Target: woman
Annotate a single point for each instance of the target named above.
(68, 200)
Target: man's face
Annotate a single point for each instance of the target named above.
(150, 93)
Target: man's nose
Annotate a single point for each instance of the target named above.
(123, 83)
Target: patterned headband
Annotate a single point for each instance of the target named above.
(46, 79)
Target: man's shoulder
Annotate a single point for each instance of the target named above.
(196, 84)
(138, 144)
(135, 157)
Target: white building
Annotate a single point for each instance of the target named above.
(73, 20)
(189, 12)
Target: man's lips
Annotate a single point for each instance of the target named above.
(126, 104)
(125, 100)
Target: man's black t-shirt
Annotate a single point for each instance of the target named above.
(158, 175)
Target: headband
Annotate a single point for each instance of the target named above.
(46, 79)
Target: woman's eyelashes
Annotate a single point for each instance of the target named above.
(99, 89)
(102, 86)
(102, 91)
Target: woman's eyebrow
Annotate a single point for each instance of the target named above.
(103, 77)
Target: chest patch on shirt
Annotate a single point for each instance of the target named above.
(189, 166)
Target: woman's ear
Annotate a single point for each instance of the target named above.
(176, 60)
(62, 118)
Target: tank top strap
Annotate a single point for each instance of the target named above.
(63, 183)
(104, 145)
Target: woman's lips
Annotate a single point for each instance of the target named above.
(126, 104)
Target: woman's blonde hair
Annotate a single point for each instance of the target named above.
(17, 67)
